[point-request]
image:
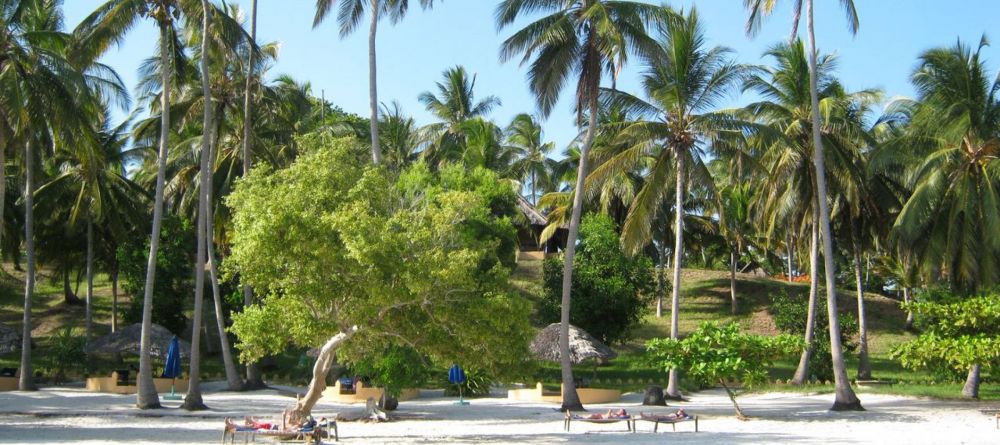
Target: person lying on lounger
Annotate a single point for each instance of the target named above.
(611, 414)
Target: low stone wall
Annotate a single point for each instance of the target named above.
(110, 385)
(587, 395)
(337, 394)
(8, 383)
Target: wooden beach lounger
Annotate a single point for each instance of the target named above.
(672, 419)
(628, 419)
(314, 435)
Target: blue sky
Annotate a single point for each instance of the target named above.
(413, 54)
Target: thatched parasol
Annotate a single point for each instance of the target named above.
(582, 346)
(10, 339)
(128, 340)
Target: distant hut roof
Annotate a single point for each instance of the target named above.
(535, 217)
(582, 346)
(10, 339)
(128, 340)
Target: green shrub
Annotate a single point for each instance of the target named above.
(610, 291)
(790, 315)
(66, 354)
(173, 286)
(477, 384)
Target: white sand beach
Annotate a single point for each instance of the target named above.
(75, 416)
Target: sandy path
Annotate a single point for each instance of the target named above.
(75, 416)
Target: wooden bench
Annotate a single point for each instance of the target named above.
(315, 435)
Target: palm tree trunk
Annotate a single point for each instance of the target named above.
(570, 399)
(534, 199)
(909, 314)
(114, 300)
(673, 392)
(845, 397)
(26, 381)
(864, 365)
(373, 82)
(90, 287)
(802, 371)
(788, 250)
(193, 400)
(254, 380)
(232, 374)
(660, 285)
(732, 281)
(146, 396)
(3, 185)
(971, 388)
(69, 297)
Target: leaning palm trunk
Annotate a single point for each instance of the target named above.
(802, 372)
(845, 397)
(146, 396)
(193, 400)
(907, 297)
(864, 365)
(570, 399)
(320, 370)
(114, 300)
(673, 391)
(232, 374)
(90, 287)
(660, 287)
(732, 281)
(26, 383)
(373, 83)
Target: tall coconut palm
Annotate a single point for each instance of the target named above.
(399, 136)
(684, 80)
(43, 101)
(454, 105)
(948, 223)
(534, 165)
(348, 18)
(758, 9)
(583, 39)
(107, 26)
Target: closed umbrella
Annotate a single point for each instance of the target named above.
(457, 377)
(172, 368)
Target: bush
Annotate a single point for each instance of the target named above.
(66, 354)
(790, 315)
(173, 284)
(610, 290)
(477, 384)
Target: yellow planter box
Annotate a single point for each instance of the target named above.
(337, 394)
(587, 395)
(8, 383)
(110, 385)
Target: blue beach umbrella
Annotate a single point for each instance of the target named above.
(457, 377)
(172, 369)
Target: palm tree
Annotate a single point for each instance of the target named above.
(348, 18)
(44, 99)
(585, 39)
(525, 133)
(684, 80)
(758, 9)
(109, 25)
(399, 136)
(454, 105)
(948, 223)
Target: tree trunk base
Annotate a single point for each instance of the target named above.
(254, 385)
(194, 405)
(149, 406)
(849, 406)
(575, 407)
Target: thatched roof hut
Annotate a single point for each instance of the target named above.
(582, 346)
(10, 339)
(128, 340)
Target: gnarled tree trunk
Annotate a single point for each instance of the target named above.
(971, 388)
(320, 369)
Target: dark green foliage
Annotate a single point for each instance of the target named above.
(790, 314)
(66, 353)
(610, 290)
(173, 285)
(396, 368)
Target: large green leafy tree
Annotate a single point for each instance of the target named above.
(361, 259)
(581, 40)
(949, 222)
(758, 9)
(610, 289)
(684, 80)
(349, 17)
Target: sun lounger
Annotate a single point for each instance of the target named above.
(307, 435)
(628, 419)
(673, 419)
